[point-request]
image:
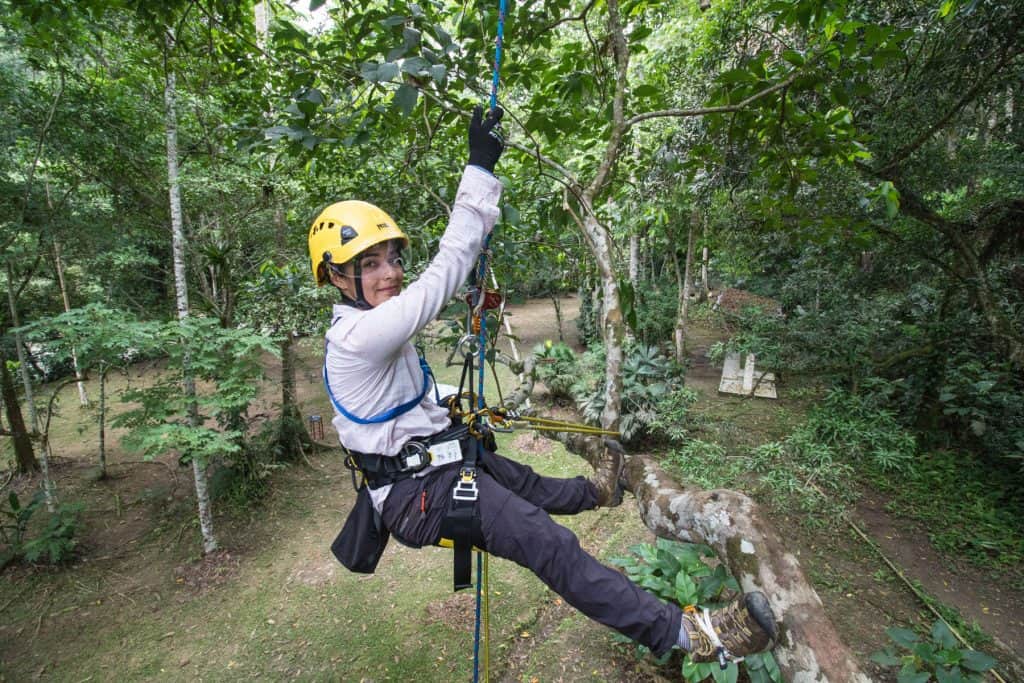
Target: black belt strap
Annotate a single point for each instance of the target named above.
(381, 470)
(462, 525)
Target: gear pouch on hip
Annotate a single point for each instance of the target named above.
(363, 537)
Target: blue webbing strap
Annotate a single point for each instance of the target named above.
(387, 414)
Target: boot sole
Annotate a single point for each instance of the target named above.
(759, 608)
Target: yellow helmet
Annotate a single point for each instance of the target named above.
(345, 229)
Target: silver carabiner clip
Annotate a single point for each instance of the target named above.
(469, 344)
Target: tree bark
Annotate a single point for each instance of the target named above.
(679, 331)
(634, 260)
(83, 398)
(705, 287)
(612, 326)
(809, 648)
(181, 287)
(598, 236)
(24, 455)
(102, 418)
(44, 451)
(293, 437)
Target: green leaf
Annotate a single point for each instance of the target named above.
(902, 636)
(368, 71)
(984, 386)
(443, 36)
(406, 98)
(793, 57)
(729, 674)
(686, 589)
(415, 66)
(942, 635)
(646, 90)
(314, 5)
(977, 661)
(387, 72)
(438, 72)
(839, 95)
(510, 214)
(411, 37)
(737, 76)
(913, 677)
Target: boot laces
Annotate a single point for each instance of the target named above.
(702, 619)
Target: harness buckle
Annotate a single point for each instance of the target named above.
(465, 486)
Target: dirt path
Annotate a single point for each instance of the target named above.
(534, 321)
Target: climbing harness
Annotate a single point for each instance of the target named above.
(391, 413)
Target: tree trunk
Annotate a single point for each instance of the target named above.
(598, 236)
(705, 288)
(181, 288)
(44, 451)
(975, 277)
(612, 327)
(679, 332)
(558, 315)
(684, 309)
(634, 260)
(23, 453)
(102, 418)
(809, 648)
(293, 437)
(83, 399)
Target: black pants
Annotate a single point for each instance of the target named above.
(513, 508)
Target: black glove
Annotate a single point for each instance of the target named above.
(485, 141)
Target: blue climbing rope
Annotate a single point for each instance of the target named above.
(498, 43)
(480, 299)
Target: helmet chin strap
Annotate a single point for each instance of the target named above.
(359, 301)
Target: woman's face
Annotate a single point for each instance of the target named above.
(381, 274)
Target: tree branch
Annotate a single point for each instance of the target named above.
(893, 162)
(704, 111)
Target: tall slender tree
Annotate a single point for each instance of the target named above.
(199, 465)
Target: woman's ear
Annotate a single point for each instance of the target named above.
(339, 281)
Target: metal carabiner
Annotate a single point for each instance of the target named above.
(469, 344)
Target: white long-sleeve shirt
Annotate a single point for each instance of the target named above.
(371, 365)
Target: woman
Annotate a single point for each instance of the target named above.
(386, 419)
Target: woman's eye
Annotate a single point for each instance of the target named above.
(369, 265)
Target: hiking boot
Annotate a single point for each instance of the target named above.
(744, 626)
(607, 477)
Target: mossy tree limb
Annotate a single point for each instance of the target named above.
(809, 648)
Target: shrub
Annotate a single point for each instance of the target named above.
(556, 367)
(54, 544)
(939, 658)
(855, 426)
(676, 572)
(656, 314)
(646, 378)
